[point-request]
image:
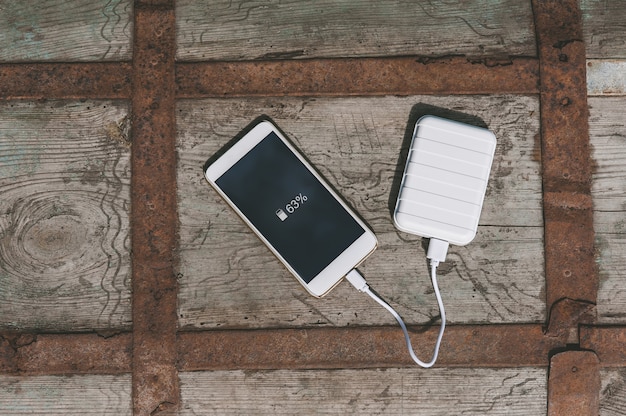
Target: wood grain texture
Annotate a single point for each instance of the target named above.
(227, 30)
(613, 392)
(65, 395)
(229, 279)
(608, 139)
(64, 248)
(605, 40)
(366, 392)
(604, 28)
(606, 77)
(65, 30)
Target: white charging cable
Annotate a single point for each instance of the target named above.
(437, 250)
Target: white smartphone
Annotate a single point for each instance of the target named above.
(291, 208)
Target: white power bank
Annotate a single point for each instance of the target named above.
(445, 179)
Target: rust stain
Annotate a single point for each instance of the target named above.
(573, 384)
(571, 271)
(370, 76)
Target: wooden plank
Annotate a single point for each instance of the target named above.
(611, 249)
(229, 279)
(366, 392)
(65, 30)
(608, 139)
(604, 28)
(65, 395)
(64, 247)
(226, 30)
(613, 392)
(606, 77)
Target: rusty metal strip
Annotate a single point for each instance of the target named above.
(573, 384)
(30, 354)
(571, 272)
(372, 76)
(363, 76)
(607, 342)
(153, 214)
(65, 80)
(463, 346)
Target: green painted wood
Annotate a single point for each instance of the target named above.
(64, 232)
(66, 395)
(227, 30)
(229, 279)
(437, 391)
(65, 30)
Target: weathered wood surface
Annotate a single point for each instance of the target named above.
(227, 30)
(64, 246)
(613, 392)
(228, 278)
(65, 395)
(604, 31)
(65, 30)
(608, 139)
(366, 392)
(604, 28)
(606, 77)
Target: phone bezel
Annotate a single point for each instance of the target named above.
(350, 258)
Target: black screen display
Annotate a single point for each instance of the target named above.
(290, 207)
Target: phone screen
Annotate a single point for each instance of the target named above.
(289, 206)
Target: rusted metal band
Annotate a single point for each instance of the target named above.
(569, 236)
(607, 342)
(363, 76)
(574, 384)
(30, 354)
(361, 347)
(105, 80)
(463, 346)
(153, 213)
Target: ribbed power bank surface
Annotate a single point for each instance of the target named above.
(445, 179)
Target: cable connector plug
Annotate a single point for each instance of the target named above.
(357, 280)
(437, 250)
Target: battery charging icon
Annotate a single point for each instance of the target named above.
(281, 214)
